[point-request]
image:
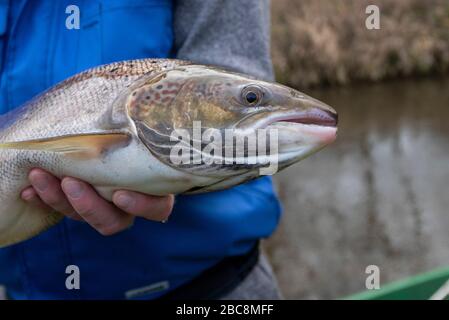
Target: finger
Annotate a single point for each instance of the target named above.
(99, 213)
(49, 190)
(142, 205)
(30, 196)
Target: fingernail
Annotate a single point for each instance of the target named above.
(28, 194)
(72, 188)
(124, 201)
(39, 181)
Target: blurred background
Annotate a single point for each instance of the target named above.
(379, 195)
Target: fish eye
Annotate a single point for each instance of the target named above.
(252, 95)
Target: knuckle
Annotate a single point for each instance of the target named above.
(85, 211)
(53, 200)
(28, 194)
(111, 228)
(105, 231)
(85, 207)
(71, 214)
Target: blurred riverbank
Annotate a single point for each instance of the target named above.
(317, 42)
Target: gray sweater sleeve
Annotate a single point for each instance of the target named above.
(229, 33)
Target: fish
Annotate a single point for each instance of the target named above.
(139, 125)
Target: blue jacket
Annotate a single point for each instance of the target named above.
(37, 51)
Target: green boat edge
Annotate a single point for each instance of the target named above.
(419, 287)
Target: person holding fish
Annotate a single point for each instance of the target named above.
(89, 157)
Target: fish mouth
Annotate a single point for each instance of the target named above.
(317, 117)
(303, 133)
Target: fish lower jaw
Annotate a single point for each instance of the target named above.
(303, 134)
(297, 141)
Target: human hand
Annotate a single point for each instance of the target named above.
(79, 200)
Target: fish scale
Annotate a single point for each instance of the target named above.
(71, 105)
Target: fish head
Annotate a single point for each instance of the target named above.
(208, 111)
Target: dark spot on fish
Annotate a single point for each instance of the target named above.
(194, 189)
(159, 87)
(169, 92)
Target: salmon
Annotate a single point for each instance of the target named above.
(155, 126)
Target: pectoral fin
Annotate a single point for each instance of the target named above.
(84, 146)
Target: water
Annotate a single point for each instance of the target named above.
(379, 195)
